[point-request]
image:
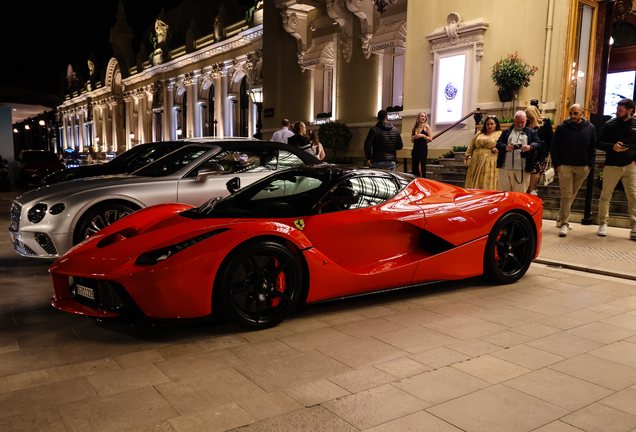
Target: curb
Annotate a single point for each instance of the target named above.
(585, 269)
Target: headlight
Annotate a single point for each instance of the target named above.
(57, 208)
(37, 213)
(158, 255)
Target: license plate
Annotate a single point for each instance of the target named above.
(85, 292)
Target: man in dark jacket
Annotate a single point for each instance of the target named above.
(382, 143)
(618, 140)
(573, 155)
(517, 146)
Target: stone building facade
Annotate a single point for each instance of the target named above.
(199, 88)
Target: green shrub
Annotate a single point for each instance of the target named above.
(335, 136)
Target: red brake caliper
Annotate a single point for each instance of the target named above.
(280, 284)
(497, 253)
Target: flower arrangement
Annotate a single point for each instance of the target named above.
(512, 72)
(335, 136)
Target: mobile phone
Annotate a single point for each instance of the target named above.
(623, 145)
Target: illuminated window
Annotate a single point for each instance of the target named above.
(397, 89)
(327, 76)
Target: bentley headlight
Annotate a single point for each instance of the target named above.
(158, 255)
(37, 213)
(57, 208)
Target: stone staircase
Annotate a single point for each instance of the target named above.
(453, 171)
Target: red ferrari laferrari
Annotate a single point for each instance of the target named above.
(300, 235)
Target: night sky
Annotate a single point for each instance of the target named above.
(39, 40)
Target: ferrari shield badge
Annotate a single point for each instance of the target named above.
(300, 224)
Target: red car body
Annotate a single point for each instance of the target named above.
(427, 232)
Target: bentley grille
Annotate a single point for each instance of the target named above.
(16, 209)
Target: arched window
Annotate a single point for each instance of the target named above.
(244, 101)
(212, 128)
(184, 111)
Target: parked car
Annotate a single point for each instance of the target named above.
(301, 235)
(47, 221)
(5, 181)
(33, 165)
(126, 163)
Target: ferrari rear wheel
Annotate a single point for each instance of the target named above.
(99, 217)
(510, 249)
(260, 285)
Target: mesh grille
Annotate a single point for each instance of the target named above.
(45, 241)
(16, 209)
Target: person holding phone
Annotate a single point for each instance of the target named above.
(516, 159)
(618, 140)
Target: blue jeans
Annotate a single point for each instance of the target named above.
(385, 165)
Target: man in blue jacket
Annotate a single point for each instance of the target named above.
(573, 151)
(618, 140)
(517, 146)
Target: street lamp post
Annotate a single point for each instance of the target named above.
(257, 99)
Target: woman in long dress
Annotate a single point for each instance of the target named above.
(421, 135)
(482, 171)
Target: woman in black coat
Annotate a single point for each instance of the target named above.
(300, 138)
(544, 130)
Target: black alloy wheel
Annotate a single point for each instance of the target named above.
(99, 217)
(510, 249)
(260, 285)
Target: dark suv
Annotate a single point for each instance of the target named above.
(33, 165)
(127, 162)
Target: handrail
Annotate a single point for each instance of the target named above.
(458, 122)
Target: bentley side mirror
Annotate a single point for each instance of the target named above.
(210, 169)
(233, 185)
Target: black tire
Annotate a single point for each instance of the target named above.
(259, 285)
(510, 249)
(99, 217)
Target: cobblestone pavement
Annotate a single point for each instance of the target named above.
(555, 351)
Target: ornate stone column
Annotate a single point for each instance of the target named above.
(194, 112)
(169, 133)
(221, 102)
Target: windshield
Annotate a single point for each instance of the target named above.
(173, 162)
(282, 195)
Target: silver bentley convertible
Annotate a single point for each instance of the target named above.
(48, 221)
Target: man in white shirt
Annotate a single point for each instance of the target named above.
(283, 134)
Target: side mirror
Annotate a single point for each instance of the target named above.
(210, 169)
(233, 185)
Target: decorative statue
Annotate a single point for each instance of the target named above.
(160, 40)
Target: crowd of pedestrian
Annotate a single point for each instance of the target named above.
(514, 159)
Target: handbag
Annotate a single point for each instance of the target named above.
(547, 176)
(467, 161)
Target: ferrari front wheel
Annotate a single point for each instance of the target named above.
(510, 249)
(260, 285)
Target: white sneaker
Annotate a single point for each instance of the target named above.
(632, 234)
(534, 192)
(564, 231)
(602, 230)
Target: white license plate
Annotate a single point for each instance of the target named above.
(86, 292)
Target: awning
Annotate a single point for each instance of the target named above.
(389, 36)
(324, 54)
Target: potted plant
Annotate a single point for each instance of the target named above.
(510, 73)
(335, 136)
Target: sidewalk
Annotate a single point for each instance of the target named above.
(582, 249)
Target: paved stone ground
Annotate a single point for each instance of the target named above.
(554, 352)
